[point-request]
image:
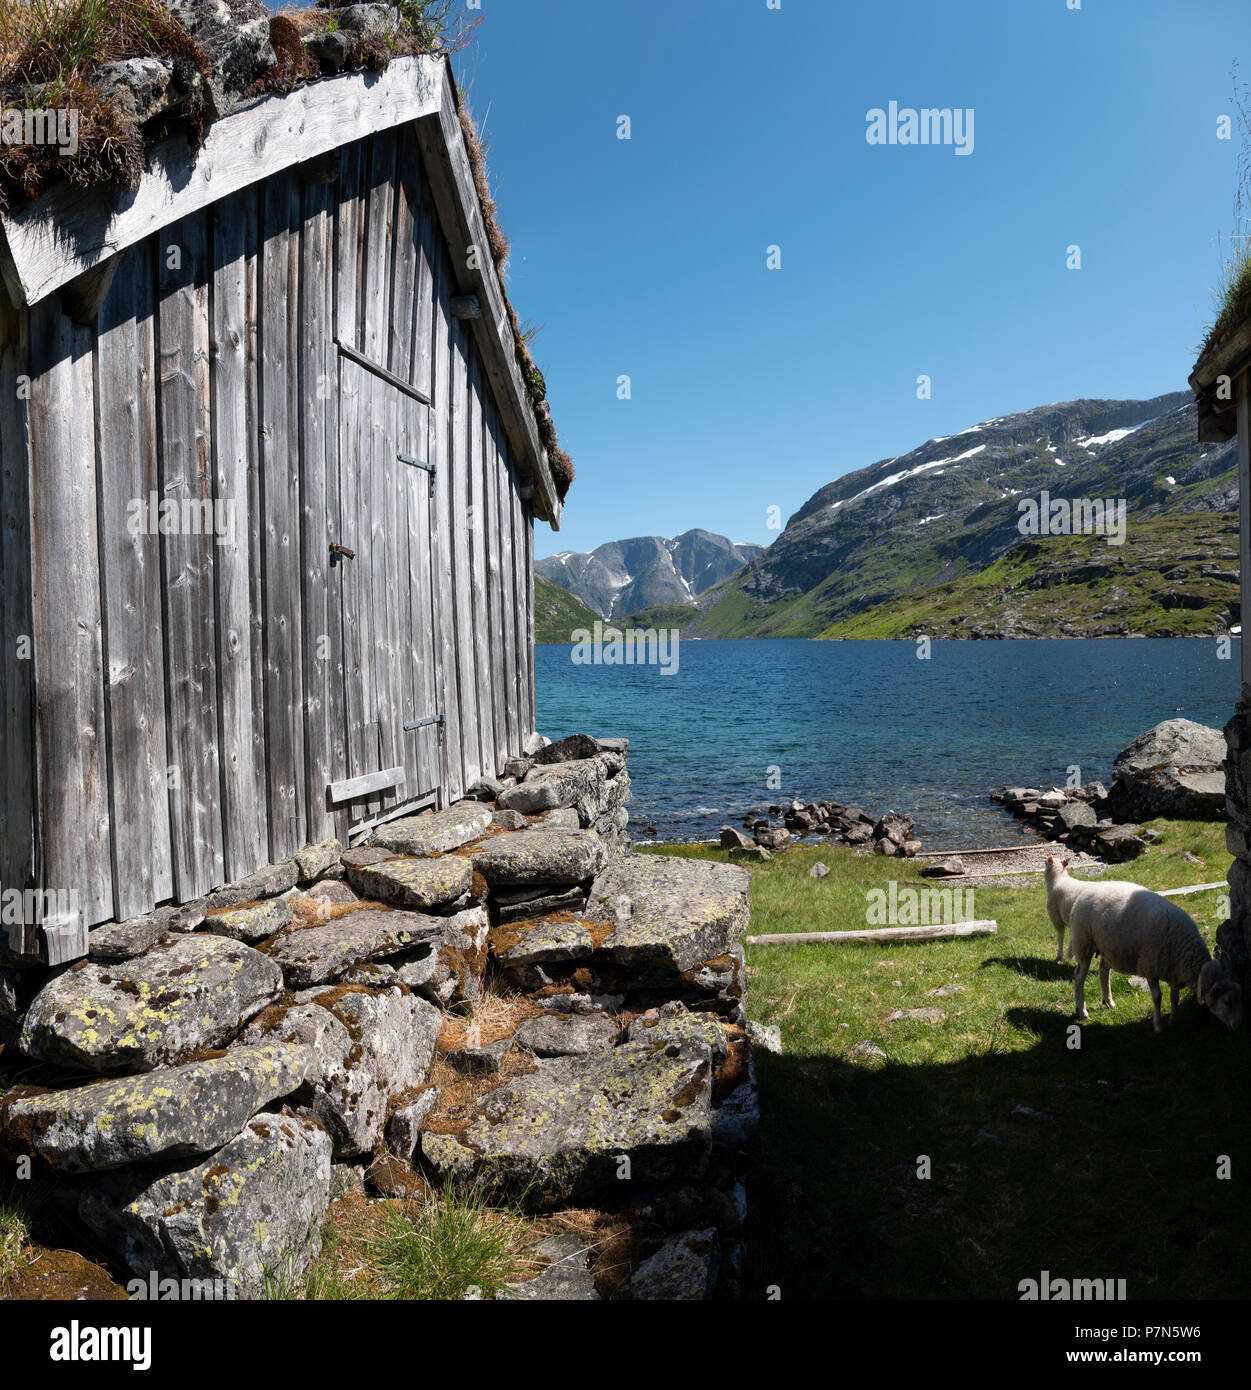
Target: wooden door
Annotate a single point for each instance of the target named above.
(393, 711)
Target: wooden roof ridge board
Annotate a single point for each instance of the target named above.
(67, 232)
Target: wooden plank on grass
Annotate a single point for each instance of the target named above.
(883, 934)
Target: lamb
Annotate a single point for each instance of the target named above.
(1137, 932)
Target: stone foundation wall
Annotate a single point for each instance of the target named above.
(1233, 936)
(317, 1028)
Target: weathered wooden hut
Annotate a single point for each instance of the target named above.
(270, 473)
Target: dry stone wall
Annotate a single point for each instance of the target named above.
(215, 1072)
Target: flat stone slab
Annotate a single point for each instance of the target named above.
(436, 833)
(671, 913)
(688, 1029)
(155, 1010)
(264, 883)
(559, 1131)
(421, 884)
(525, 857)
(567, 1279)
(174, 1112)
(684, 1269)
(252, 922)
(254, 1206)
(125, 940)
(317, 954)
(568, 1035)
(315, 860)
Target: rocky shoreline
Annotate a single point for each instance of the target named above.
(891, 834)
(216, 1073)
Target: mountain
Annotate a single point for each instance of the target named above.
(624, 577)
(946, 511)
(557, 613)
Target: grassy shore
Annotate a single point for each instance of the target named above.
(1093, 1163)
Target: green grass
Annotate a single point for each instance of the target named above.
(1113, 1176)
(455, 1245)
(558, 613)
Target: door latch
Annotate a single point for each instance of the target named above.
(336, 549)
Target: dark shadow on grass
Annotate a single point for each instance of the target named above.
(1094, 1162)
(1034, 967)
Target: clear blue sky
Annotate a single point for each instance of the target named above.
(752, 388)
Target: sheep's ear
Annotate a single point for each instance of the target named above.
(1064, 863)
(1050, 860)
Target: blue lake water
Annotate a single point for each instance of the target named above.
(868, 723)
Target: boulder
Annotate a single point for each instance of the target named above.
(155, 1010)
(575, 748)
(951, 867)
(773, 839)
(568, 1035)
(174, 1112)
(317, 954)
(1077, 815)
(422, 884)
(819, 871)
(1174, 769)
(140, 87)
(438, 832)
(534, 744)
(541, 856)
(379, 20)
(509, 820)
(484, 789)
(733, 839)
(661, 1028)
(250, 922)
(254, 1207)
(9, 1010)
(684, 1269)
(315, 860)
(558, 1133)
(449, 969)
(766, 1036)
(1119, 843)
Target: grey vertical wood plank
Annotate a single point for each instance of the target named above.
(353, 385)
(188, 557)
(243, 790)
(73, 811)
(462, 557)
(528, 574)
(438, 367)
(511, 598)
(130, 570)
(349, 243)
(318, 469)
(17, 741)
(251, 213)
(521, 590)
(480, 581)
(495, 580)
(280, 481)
(417, 196)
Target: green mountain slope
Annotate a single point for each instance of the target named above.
(949, 509)
(557, 614)
(1175, 576)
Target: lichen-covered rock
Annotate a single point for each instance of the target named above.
(421, 884)
(541, 856)
(318, 954)
(567, 1279)
(691, 1029)
(556, 785)
(314, 860)
(568, 1035)
(155, 1010)
(173, 1112)
(670, 913)
(683, 1269)
(255, 1207)
(438, 832)
(519, 905)
(1176, 768)
(9, 1012)
(125, 940)
(404, 1126)
(234, 36)
(450, 970)
(250, 922)
(558, 1132)
(268, 882)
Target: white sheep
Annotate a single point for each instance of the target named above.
(1062, 892)
(1137, 932)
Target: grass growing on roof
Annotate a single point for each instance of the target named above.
(1096, 1163)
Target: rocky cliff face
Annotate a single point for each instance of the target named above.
(951, 507)
(624, 577)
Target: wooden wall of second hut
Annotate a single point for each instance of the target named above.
(264, 362)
